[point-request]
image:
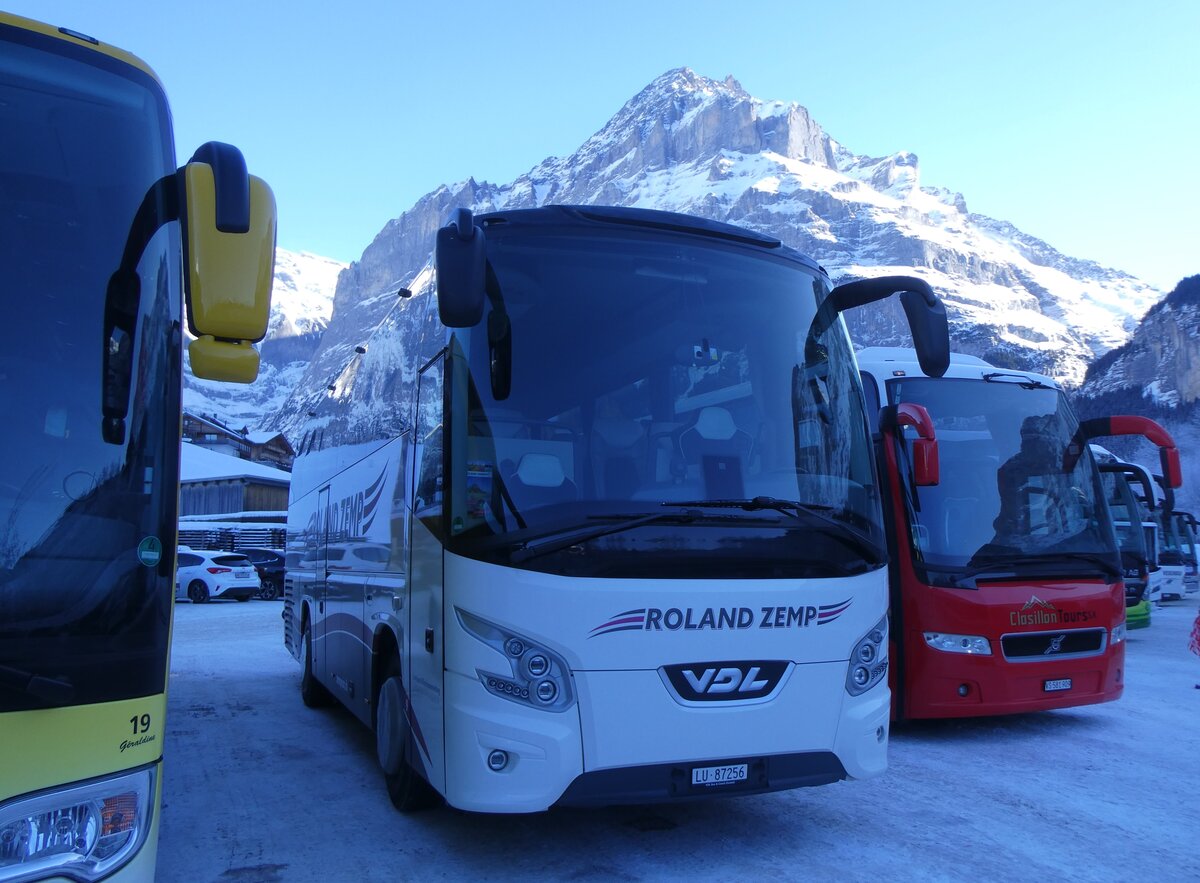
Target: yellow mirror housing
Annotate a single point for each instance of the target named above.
(228, 275)
(223, 360)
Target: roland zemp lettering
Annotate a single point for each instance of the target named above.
(689, 619)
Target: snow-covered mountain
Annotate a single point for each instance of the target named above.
(706, 147)
(301, 305)
(1156, 374)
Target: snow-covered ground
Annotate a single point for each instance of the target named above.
(260, 788)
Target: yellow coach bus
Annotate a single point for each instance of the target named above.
(102, 240)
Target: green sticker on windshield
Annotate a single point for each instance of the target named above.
(150, 551)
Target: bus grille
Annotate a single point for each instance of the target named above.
(1043, 646)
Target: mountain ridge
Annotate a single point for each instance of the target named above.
(706, 147)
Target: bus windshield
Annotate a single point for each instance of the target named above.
(1187, 536)
(84, 576)
(1014, 492)
(658, 382)
(1126, 517)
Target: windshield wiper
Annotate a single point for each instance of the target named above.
(1017, 379)
(839, 530)
(570, 536)
(1050, 563)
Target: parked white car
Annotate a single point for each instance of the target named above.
(203, 575)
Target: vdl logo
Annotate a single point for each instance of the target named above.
(753, 681)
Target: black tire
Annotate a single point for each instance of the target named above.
(198, 592)
(406, 787)
(312, 691)
(269, 590)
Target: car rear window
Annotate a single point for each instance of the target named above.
(232, 560)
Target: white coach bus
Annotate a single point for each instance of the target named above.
(598, 521)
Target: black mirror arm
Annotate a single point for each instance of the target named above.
(159, 206)
(925, 312)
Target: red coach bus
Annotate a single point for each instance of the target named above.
(1006, 578)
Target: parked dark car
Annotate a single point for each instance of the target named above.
(269, 564)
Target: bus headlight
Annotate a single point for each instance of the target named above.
(536, 676)
(84, 832)
(973, 645)
(868, 660)
(1118, 634)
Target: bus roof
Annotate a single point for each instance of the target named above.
(593, 215)
(75, 38)
(886, 362)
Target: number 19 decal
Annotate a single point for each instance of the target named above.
(141, 724)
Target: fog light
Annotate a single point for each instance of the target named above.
(880, 733)
(963, 689)
(861, 676)
(515, 647)
(538, 665)
(547, 691)
(497, 760)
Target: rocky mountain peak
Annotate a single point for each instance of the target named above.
(706, 147)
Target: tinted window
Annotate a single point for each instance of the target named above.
(648, 371)
(233, 560)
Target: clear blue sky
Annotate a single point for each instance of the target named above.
(1076, 120)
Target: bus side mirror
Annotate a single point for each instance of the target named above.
(926, 314)
(926, 464)
(460, 261)
(229, 221)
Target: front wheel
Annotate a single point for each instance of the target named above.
(405, 786)
(312, 691)
(198, 592)
(269, 590)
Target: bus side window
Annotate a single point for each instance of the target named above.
(427, 499)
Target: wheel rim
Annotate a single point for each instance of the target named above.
(198, 592)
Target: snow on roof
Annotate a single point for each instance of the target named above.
(201, 464)
(261, 436)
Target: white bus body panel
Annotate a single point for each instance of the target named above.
(1171, 576)
(625, 715)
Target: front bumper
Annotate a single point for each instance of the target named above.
(1138, 616)
(627, 741)
(946, 685)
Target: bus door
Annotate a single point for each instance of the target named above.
(423, 651)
